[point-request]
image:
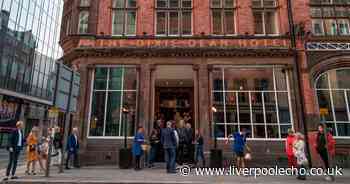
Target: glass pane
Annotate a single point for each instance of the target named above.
(131, 23)
(129, 101)
(281, 81)
(220, 131)
(339, 104)
(270, 107)
(283, 108)
(231, 108)
(174, 3)
(174, 23)
(341, 81)
(269, 3)
(186, 3)
(115, 78)
(130, 78)
(259, 131)
(244, 107)
(231, 129)
(324, 103)
(84, 3)
(284, 130)
(83, 21)
(257, 108)
(217, 24)
(343, 25)
(118, 3)
(113, 114)
(118, 22)
(229, 3)
(322, 82)
(331, 26)
(186, 23)
(258, 20)
(270, 23)
(216, 3)
(328, 12)
(316, 12)
(217, 80)
(161, 23)
(317, 27)
(256, 3)
(100, 82)
(343, 129)
(272, 131)
(97, 113)
(131, 3)
(218, 103)
(229, 22)
(162, 3)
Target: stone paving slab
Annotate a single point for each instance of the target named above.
(113, 175)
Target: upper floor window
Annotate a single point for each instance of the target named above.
(265, 19)
(124, 17)
(173, 17)
(222, 15)
(84, 3)
(328, 18)
(83, 22)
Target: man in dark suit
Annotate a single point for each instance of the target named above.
(14, 147)
(169, 141)
(72, 148)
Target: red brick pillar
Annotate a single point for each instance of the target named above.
(104, 18)
(145, 96)
(245, 19)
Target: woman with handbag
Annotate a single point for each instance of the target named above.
(32, 153)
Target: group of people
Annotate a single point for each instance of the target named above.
(175, 139)
(295, 149)
(37, 149)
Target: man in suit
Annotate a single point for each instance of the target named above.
(15, 146)
(72, 148)
(169, 141)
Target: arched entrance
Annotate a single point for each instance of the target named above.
(333, 96)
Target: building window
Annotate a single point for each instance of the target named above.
(330, 17)
(113, 89)
(173, 17)
(83, 22)
(223, 18)
(265, 19)
(333, 95)
(254, 99)
(124, 17)
(84, 3)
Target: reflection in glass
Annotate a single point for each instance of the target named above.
(113, 114)
(97, 113)
(339, 104)
(343, 129)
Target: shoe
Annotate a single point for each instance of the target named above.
(33, 173)
(5, 179)
(68, 168)
(14, 177)
(27, 172)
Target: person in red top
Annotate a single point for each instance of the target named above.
(289, 148)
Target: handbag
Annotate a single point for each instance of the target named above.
(31, 148)
(247, 155)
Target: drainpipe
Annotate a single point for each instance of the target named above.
(297, 66)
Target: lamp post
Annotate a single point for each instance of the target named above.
(125, 157)
(125, 116)
(215, 154)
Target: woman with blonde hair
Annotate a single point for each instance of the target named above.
(32, 153)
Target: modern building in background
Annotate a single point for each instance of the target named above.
(29, 48)
(170, 57)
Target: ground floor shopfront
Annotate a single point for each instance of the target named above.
(255, 92)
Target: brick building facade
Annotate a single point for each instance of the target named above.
(172, 57)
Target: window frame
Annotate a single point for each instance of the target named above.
(122, 91)
(125, 10)
(167, 10)
(223, 9)
(87, 22)
(264, 10)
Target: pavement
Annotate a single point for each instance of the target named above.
(113, 175)
(4, 156)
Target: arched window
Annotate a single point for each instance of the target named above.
(333, 95)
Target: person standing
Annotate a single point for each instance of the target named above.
(137, 151)
(154, 142)
(325, 144)
(199, 147)
(32, 151)
(58, 145)
(169, 141)
(182, 142)
(238, 147)
(72, 148)
(14, 147)
(188, 143)
(299, 153)
(289, 148)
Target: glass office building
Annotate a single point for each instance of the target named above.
(29, 35)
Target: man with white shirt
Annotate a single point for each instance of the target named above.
(72, 148)
(14, 147)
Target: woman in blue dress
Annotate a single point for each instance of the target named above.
(137, 151)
